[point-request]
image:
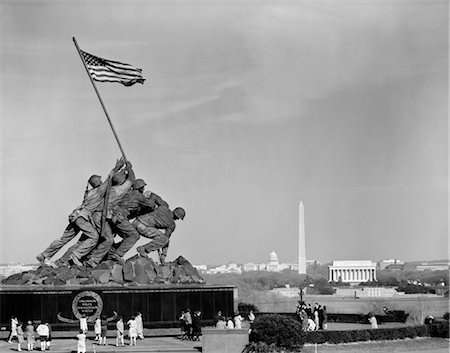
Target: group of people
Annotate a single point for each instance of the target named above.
(191, 325)
(121, 206)
(312, 318)
(232, 322)
(30, 334)
(135, 331)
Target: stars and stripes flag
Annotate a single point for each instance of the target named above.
(104, 70)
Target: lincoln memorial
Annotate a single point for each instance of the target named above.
(352, 271)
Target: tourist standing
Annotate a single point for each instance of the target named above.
(98, 329)
(373, 321)
(304, 318)
(309, 311)
(230, 323)
(81, 344)
(48, 341)
(251, 318)
(320, 314)
(139, 326)
(238, 321)
(83, 323)
(187, 319)
(42, 331)
(132, 330)
(311, 325)
(104, 330)
(196, 326)
(119, 332)
(217, 317)
(30, 335)
(324, 318)
(13, 332)
(221, 323)
(19, 336)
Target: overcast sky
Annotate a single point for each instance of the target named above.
(248, 108)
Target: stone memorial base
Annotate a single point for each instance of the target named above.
(160, 305)
(224, 341)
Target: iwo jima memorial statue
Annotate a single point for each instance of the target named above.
(92, 279)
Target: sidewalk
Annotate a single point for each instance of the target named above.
(157, 340)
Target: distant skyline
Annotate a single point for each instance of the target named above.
(248, 109)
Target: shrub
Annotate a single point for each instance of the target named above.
(439, 329)
(261, 347)
(278, 330)
(244, 308)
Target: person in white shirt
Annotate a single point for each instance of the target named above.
(238, 321)
(43, 332)
(140, 326)
(132, 330)
(83, 323)
(311, 325)
(230, 323)
(13, 332)
(81, 345)
(373, 321)
(119, 332)
(98, 329)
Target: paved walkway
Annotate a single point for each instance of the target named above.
(150, 344)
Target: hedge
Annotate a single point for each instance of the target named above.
(348, 336)
(272, 333)
(439, 329)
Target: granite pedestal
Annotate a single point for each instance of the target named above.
(160, 305)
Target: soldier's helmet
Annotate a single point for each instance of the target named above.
(95, 180)
(119, 178)
(179, 212)
(138, 183)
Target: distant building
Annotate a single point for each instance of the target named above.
(273, 265)
(229, 268)
(383, 264)
(352, 271)
(10, 269)
(362, 292)
(395, 267)
(433, 266)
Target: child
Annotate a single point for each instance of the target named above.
(42, 331)
(230, 323)
(81, 345)
(98, 329)
(132, 331)
(29, 334)
(19, 336)
(119, 329)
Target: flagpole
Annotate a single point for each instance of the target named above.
(100, 98)
(109, 181)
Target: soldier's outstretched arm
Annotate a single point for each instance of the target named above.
(129, 167)
(159, 201)
(119, 164)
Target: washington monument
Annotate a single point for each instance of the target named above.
(301, 240)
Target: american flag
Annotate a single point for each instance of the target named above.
(104, 70)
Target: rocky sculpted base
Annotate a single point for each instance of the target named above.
(133, 272)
